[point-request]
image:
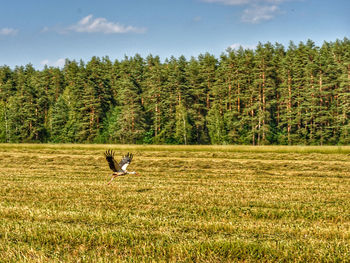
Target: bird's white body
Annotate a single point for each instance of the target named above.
(124, 167)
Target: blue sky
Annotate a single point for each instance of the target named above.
(46, 32)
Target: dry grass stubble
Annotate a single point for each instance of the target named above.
(190, 203)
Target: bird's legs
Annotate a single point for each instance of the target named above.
(114, 176)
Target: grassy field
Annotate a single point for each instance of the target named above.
(190, 204)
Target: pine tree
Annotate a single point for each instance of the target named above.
(264, 83)
(287, 106)
(111, 128)
(221, 101)
(198, 99)
(58, 120)
(249, 117)
(326, 81)
(216, 124)
(97, 94)
(3, 122)
(275, 123)
(78, 124)
(7, 89)
(183, 130)
(176, 101)
(304, 86)
(342, 53)
(227, 96)
(27, 123)
(125, 122)
(130, 121)
(156, 99)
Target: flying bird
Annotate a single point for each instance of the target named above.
(118, 169)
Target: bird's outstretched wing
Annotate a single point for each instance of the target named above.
(111, 161)
(126, 160)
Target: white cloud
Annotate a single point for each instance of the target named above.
(197, 19)
(44, 62)
(238, 45)
(45, 29)
(229, 2)
(58, 63)
(244, 2)
(89, 24)
(257, 14)
(8, 31)
(255, 11)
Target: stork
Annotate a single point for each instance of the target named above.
(118, 169)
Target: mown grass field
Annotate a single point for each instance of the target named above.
(190, 204)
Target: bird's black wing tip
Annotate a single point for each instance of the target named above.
(109, 153)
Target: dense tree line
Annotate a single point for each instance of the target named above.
(269, 95)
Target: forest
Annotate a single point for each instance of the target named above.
(272, 94)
